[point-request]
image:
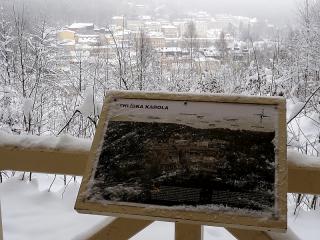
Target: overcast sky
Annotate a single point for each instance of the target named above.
(280, 10)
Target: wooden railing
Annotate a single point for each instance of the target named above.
(302, 179)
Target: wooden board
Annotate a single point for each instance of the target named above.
(188, 231)
(243, 126)
(241, 234)
(120, 229)
(57, 161)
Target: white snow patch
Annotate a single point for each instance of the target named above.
(65, 142)
(29, 213)
(304, 225)
(293, 109)
(303, 160)
(80, 25)
(90, 107)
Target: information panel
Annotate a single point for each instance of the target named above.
(209, 159)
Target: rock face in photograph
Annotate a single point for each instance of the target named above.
(170, 164)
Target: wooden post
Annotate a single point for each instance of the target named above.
(120, 229)
(242, 234)
(185, 231)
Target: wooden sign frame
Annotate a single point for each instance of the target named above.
(150, 212)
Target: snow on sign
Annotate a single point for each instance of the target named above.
(206, 159)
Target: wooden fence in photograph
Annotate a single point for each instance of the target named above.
(302, 179)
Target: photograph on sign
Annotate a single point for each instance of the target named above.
(188, 155)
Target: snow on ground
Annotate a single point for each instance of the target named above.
(29, 211)
(305, 224)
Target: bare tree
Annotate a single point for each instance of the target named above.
(143, 56)
(222, 46)
(190, 37)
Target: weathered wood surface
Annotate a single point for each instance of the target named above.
(120, 229)
(130, 227)
(45, 161)
(188, 231)
(242, 234)
(303, 179)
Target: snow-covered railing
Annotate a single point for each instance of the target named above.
(303, 173)
(61, 143)
(48, 154)
(69, 155)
